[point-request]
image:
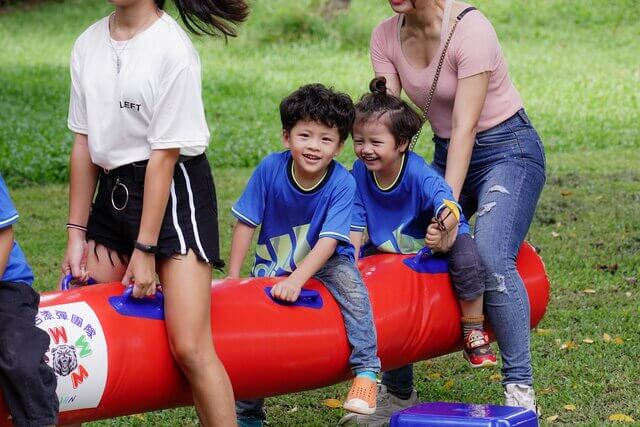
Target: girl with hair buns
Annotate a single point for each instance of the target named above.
(446, 56)
(140, 137)
(404, 204)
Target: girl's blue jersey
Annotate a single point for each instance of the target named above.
(17, 269)
(396, 218)
(292, 220)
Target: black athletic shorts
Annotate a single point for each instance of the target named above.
(190, 220)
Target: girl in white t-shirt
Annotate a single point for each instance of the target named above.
(140, 136)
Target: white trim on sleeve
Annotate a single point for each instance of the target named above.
(334, 235)
(9, 220)
(242, 217)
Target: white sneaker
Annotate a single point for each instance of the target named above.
(520, 395)
(386, 405)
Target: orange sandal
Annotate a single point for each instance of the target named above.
(362, 396)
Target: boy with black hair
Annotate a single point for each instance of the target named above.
(302, 199)
(28, 383)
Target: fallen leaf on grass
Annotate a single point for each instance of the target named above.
(448, 385)
(495, 377)
(627, 294)
(589, 291)
(568, 345)
(554, 234)
(566, 193)
(570, 407)
(631, 280)
(606, 337)
(611, 268)
(587, 341)
(618, 340)
(139, 416)
(552, 418)
(621, 417)
(292, 410)
(332, 403)
(434, 376)
(540, 331)
(547, 390)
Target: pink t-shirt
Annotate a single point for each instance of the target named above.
(474, 48)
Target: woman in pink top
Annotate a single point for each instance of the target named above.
(487, 150)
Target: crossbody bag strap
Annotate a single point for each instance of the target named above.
(432, 89)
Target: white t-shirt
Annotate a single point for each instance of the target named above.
(155, 102)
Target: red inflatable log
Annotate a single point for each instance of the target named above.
(110, 361)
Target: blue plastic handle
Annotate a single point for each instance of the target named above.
(67, 280)
(307, 298)
(151, 307)
(425, 262)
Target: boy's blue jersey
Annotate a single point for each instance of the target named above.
(292, 220)
(396, 218)
(17, 269)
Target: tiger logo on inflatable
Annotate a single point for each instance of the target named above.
(65, 359)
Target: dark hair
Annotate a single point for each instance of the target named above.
(210, 16)
(403, 121)
(321, 104)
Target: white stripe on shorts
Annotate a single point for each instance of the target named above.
(174, 215)
(193, 213)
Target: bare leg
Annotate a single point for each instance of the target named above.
(186, 282)
(105, 265)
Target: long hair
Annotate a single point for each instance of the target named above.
(212, 17)
(402, 121)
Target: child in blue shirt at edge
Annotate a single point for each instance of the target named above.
(399, 196)
(28, 383)
(303, 198)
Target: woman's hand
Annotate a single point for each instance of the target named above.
(157, 184)
(75, 259)
(142, 271)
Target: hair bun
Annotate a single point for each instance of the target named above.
(378, 86)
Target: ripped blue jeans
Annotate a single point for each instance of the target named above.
(505, 178)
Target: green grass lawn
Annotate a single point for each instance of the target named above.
(577, 65)
(586, 227)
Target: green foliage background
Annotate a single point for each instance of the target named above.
(575, 63)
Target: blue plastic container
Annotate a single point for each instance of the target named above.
(462, 414)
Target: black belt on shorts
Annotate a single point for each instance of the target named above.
(137, 170)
